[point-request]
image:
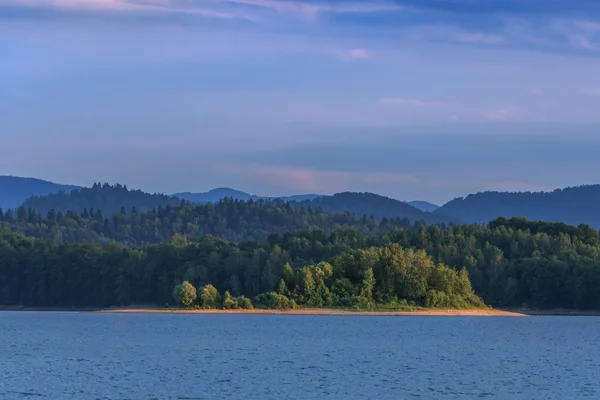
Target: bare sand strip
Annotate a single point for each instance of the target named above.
(484, 312)
(325, 311)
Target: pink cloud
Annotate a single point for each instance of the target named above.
(355, 54)
(537, 92)
(140, 6)
(319, 181)
(445, 33)
(410, 102)
(311, 10)
(358, 53)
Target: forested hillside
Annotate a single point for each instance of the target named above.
(573, 205)
(228, 219)
(14, 190)
(107, 198)
(372, 204)
(510, 263)
(110, 199)
(216, 195)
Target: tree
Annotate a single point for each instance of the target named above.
(244, 303)
(210, 297)
(288, 276)
(185, 294)
(229, 302)
(366, 293)
(343, 288)
(308, 284)
(282, 288)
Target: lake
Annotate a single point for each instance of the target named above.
(58, 355)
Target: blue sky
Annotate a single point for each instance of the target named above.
(413, 99)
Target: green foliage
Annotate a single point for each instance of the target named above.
(273, 301)
(113, 214)
(210, 297)
(366, 292)
(288, 277)
(282, 288)
(229, 303)
(244, 303)
(110, 199)
(371, 207)
(343, 288)
(185, 294)
(556, 267)
(574, 205)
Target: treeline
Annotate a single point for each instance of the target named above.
(108, 198)
(387, 277)
(372, 204)
(573, 205)
(510, 263)
(35, 272)
(112, 198)
(233, 220)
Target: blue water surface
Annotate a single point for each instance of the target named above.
(59, 355)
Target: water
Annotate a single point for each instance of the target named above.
(123, 356)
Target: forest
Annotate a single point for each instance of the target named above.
(572, 205)
(233, 220)
(112, 198)
(508, 263)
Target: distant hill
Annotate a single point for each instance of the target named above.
(573, 205)
(106, 198)
(216, 195)
(424, 205)
(373, 204)
(213, 196)
(15, 190)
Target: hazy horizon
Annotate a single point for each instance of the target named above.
(415, 100)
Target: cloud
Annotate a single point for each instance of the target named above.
(358, 53)
(313, 9)
(537, 92)
(591, 92)
(353, 54)
(589, 26)
(130, 6)
(410, 102)
(318, 180)
(478, 38)
(445, 33)
(500, 115)
(582, 42)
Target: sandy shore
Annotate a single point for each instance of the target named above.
(486, 312)
(325, 311)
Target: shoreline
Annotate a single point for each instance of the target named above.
(484, 312)
(301, 311)
(331, 312)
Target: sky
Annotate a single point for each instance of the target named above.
(412, 99)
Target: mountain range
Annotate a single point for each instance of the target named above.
(573, 205)
(216, 195)
(15, 190)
